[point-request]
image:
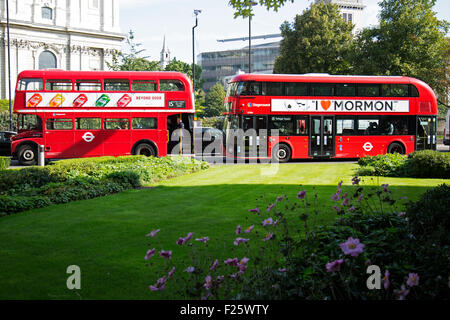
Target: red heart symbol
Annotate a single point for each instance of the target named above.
(325, 105)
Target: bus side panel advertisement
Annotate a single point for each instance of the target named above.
(94, 100)
(336, 106)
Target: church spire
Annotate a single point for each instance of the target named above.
(165, 55)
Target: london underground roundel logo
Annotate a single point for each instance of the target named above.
(88, 137)
(367, 146)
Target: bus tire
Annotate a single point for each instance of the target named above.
(27, 155)
(396, 147)
(281, 153)
(145, 149)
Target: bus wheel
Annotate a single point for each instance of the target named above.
(144, 149)
(281, 153)
(396, 147)
(27, 155)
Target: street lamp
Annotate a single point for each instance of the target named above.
(9, 66)
(196, 13)
(250, 4)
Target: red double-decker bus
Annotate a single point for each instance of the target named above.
(326, 116)
(87, 114)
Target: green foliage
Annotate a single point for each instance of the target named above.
(428, 164)
(386, 165)
(4, 120)
(319, 40)
(78, 179)
(4, 163)
(186, 68)
(214, 101)
(4, 104)
(213, 122)
(410, 41)
(242, 7)
(419, 164)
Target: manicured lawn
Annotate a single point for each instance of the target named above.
(106, 236)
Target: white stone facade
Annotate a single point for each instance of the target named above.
(351, 10)
(62, 34)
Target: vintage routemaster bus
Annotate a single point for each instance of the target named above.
(86, 114)
(326, 116)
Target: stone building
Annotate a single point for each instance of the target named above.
(61, 34)
(351, 10)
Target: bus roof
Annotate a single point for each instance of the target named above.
(85, 75)
(323, 78)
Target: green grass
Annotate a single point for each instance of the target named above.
(106, 236)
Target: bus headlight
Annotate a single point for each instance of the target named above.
(177, 104)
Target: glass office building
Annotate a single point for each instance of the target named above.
(220, 65)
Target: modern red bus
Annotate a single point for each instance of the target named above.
(77, 114)
(327, 116)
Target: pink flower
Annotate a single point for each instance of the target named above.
(153, 233)
(256, 210)
(232, 262)
(269, 208)
(238, 229)
(401, 294)
(356, 180)
(275, 223)
(345, 202)
(360, 197)
(301, 195)
(280, 198)
(337, 209)
(267, 222)
(385, 187)
(182, 241)
(352, 247)
(282, 270)
(150, 253)
(413, 280)
(189, 269)
(171, 272)
(243, 264)
(204, 239)
(268, 236)
(214, 265)
(334, 266)
(166, 254)
(335, 197)
(208, 282)
(386, 282)
(351, 209)
(249, 229)
(402, 214)
(340, 184)
(159, 285)
(238, 241)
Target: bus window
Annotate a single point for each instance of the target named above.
(345, 126)
(117, 124)
(144, 123)
(117, 85)
(88, 123)
(143, 85)
(59, 124)
(395, 90)
(323, 90)
(283, 124)
(345, 90)
(171, 85)
(301, 126)
(296, 89)
(30, 85)
(414, 91)
(368, 127)
(88, 85)
(368, 90)
(272, 88)
(29, 122)
(58, 85)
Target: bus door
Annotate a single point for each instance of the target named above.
(59, 137)
(256, 143)
(426, 133)
(321, 139)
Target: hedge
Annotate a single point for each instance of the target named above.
(4, 163)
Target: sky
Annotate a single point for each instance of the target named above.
(151, 20)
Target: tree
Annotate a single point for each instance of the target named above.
(131, 61)
(214, 101)
(318, 40)
(410, 41)
(186, 68)
(242, 7)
